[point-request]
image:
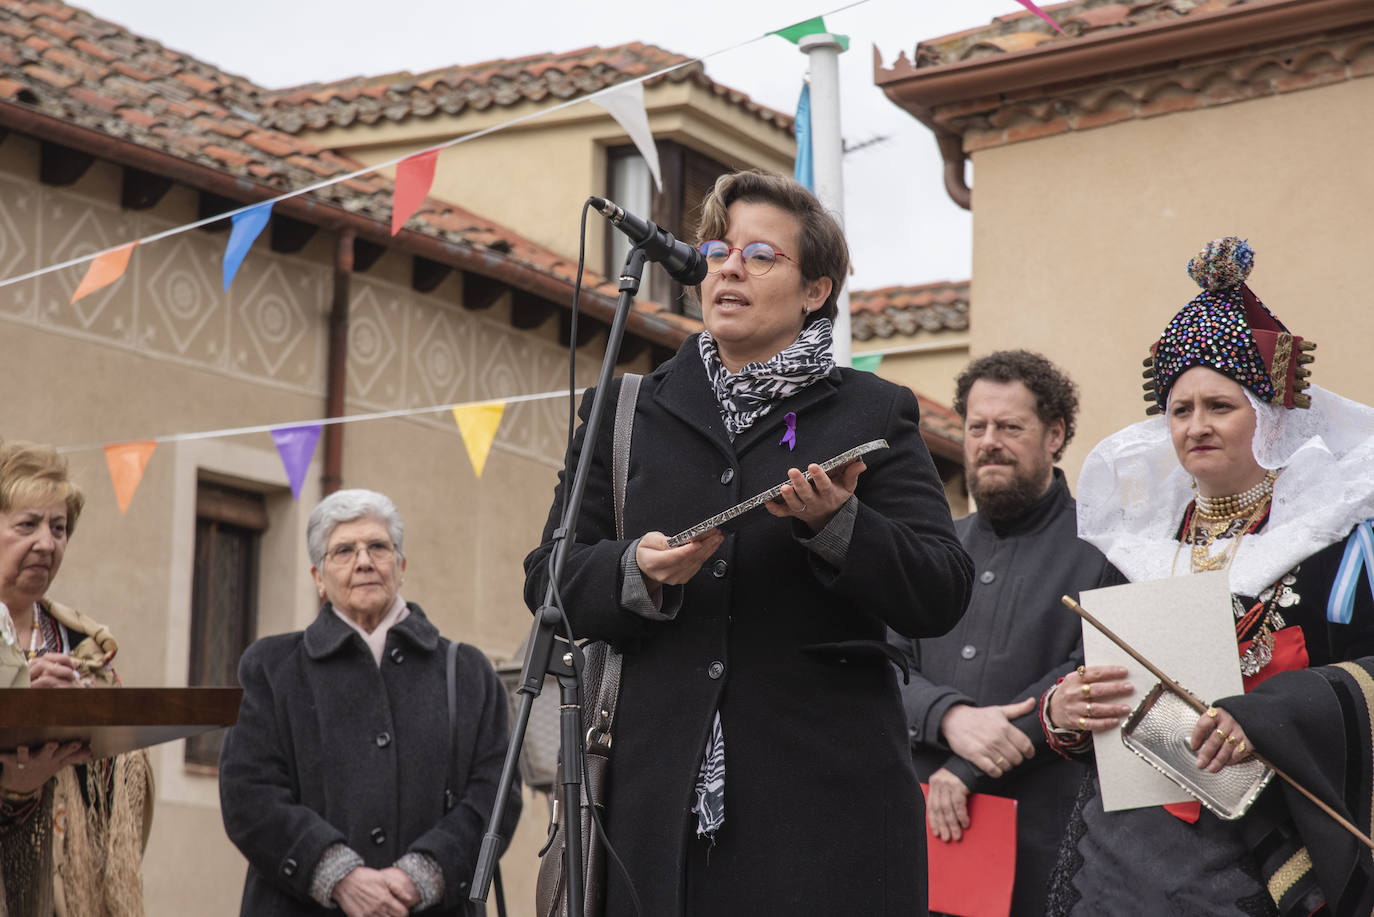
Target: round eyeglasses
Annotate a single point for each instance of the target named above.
(758, 257)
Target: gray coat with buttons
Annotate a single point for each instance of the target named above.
(822, 808)
(330, 748)
(1015, 641)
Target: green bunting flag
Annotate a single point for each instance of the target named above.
(795, 33)
(867, 362)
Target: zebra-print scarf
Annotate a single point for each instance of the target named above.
(752, 392)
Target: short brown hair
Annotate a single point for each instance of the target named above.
(33, 474)
(821, 247)
(1056, 397)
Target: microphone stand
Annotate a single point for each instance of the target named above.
(544, 639)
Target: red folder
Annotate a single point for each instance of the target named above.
(972, 877)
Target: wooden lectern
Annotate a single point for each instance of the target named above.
(112, 720)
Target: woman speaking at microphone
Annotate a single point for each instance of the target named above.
(760, 759)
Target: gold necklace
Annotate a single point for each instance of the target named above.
(1234, 506)
(1203, 534)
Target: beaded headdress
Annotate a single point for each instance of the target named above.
(1227, 328)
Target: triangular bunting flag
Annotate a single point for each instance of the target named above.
(1041, 13)
(248, 225)
(414, 178)
(296, 446)
(867, 362)
(626, 105)
(795, 33)
(104, 270)
(126, 462)
(477, 423)
(803, 171)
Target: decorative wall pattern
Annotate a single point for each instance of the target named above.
(406, 350)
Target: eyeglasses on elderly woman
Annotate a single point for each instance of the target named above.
(758, 257)
(345, 555)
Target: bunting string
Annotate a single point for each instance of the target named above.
(266, 205)
(323, 422)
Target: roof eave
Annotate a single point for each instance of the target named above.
(121, 151)
(918, 90)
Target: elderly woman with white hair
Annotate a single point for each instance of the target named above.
(344, 783)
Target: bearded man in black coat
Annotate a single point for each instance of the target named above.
(971, 705)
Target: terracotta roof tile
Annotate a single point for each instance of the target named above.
(909, 310)
(565, 75)
(1020, 30)
(940, 420)
(99, 76)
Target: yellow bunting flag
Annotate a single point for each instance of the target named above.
(104, 270)
(126, 462)
(477, 423)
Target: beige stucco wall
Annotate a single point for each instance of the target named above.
(533, 177)
(166, 351)
(1080, 239)
(929, 371)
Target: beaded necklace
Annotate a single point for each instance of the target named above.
(1233, 506)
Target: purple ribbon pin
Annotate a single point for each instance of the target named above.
(790, 437)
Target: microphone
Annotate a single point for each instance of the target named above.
(682, 262)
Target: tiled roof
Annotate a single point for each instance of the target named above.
(940, 421)
(453, 90)
(65, 63)
(1021, 30)
(907, 310)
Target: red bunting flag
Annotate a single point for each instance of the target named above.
(414, 176)
(104, 270)
(126, 462)
(1041, 13)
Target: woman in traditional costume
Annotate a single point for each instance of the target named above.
(1253, 471)
(72, 831)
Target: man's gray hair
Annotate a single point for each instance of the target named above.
(346, 506)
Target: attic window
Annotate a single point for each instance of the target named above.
(687, 178)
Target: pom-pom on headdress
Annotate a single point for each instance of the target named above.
(1227, 328)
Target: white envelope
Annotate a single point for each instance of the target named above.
(1185, 626)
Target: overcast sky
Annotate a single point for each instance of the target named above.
(901, 225)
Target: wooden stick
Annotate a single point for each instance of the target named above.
(1200, 707)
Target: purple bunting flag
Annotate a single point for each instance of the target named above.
(296, 446)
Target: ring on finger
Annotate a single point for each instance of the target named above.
(1087, 689)
(1240, 749)
(1222, 732)
(1232, 740)
(1082, 722)
(1088, 711)
(1001, 761)
(1212, 712)
(1081, 671)
(803, 509)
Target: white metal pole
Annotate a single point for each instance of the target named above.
(827, 152)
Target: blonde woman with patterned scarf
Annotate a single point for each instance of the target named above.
(72, 830)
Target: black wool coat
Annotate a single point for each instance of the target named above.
(823, 814)
(330, 748)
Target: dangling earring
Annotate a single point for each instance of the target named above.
(805, 311)
(1193, 484)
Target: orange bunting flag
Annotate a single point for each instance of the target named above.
(104, 270)
(414, 176)
(126, 462)
(477, 423)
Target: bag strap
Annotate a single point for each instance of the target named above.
(620, 445)
(451, 682)
(609, 692)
